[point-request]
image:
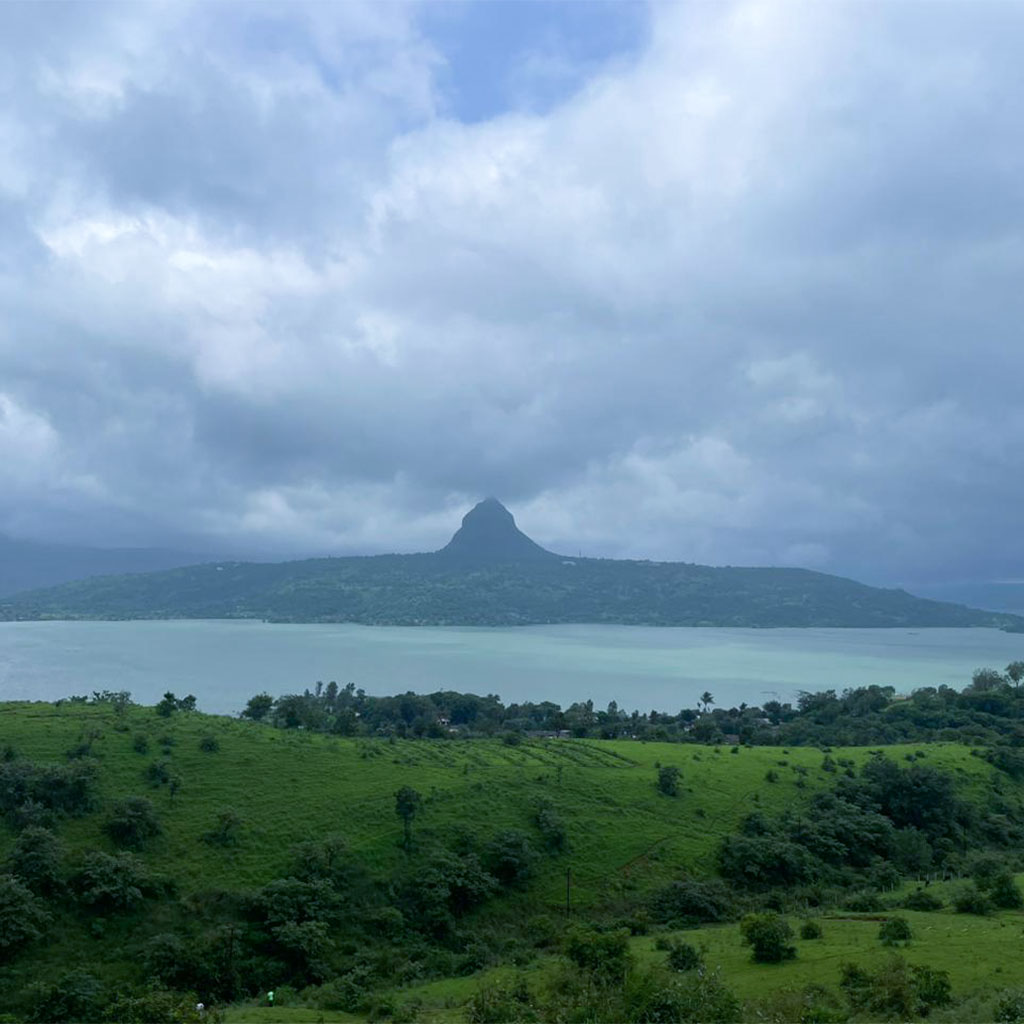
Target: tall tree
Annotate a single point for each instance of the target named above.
(407, 803)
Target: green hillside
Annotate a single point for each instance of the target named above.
(492, 574)
(624, 840)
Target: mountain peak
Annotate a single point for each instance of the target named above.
(489, 534)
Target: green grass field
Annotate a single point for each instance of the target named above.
(289, 786)
(981, 954)
(625, 837)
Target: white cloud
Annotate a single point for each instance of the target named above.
(747, 296)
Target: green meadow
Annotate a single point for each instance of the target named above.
(288, 786)
(624, 837)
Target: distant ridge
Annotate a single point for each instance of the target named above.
(28, 565)
(489, 534)
(492, 574)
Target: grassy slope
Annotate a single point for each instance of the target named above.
(978, 953)
(625, 837)
(289, 786)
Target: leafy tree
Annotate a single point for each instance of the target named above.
(305, 944)
(110, 883)
(445, 887)
(22, 914)
(167, 706)
(328, 859)
(1015, 673)
(133, 823)
(690, 902)
(407, 803)
(668, 779)
(987, 679)
(288, 899)
(510, 857)
(768, 935)
(36, 860)
(258, 707)
(227, 830)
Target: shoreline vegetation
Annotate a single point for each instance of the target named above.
(445, 857)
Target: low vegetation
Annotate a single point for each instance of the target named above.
(151, 858)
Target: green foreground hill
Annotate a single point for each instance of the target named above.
(623, 840)
(492, 574)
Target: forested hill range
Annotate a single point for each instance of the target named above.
(492, 574)
(26, 564)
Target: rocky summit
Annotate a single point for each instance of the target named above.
(489, 534)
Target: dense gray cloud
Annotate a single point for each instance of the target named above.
(746, 292)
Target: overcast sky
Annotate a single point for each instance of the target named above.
(728, 283)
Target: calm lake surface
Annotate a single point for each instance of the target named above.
(224, 662)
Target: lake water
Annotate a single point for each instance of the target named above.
(224, 662)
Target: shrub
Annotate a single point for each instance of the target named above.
(151, 1006)
(810, 930)
(498, 1004)
(894, 931)
(551, 827)
(695, 996)
(22, 915)
(209, 744)
(1003, 892)
(603, 956)
(921, 899)
(106, 882)
(140, 744)
(60, 788)
(863, 903)
(77, 996)
(689, 902)
(814, 1004)
(668, 779)
(971, 900)
(227, 831)
(170, 960)
(684, 957)
(36, 860)
(133, 823)
(768, 936)
(1010, 1008)
(895, 989)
